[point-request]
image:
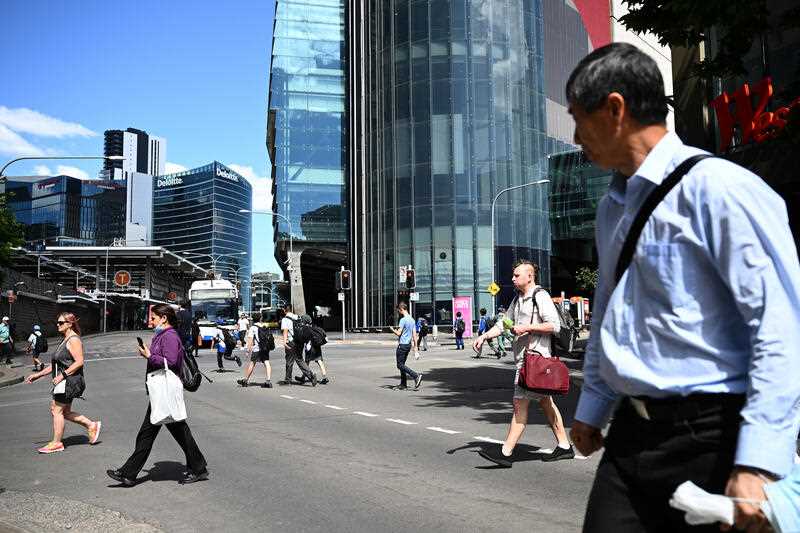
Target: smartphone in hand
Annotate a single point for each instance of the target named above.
(140, 341)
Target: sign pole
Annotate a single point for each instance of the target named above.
(343, 310)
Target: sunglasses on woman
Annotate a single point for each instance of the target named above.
(61, 322)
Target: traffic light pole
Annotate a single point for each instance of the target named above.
(344, 295)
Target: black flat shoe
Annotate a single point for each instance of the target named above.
(194, 478)
(559, 454)
(116, 475)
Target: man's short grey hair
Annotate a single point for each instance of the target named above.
(624, 69)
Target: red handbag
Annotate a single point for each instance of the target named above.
(545, 375)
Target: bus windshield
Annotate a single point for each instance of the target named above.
(215, 310)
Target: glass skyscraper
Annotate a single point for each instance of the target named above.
(196, 214)
(305, 138)
(66, 211)
(452, 101)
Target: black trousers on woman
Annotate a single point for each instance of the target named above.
(144, 444)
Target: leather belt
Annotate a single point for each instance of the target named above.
(685, 407)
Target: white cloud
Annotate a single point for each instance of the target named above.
(75, 172)
(24, 120)
(14, 145)
(42, 170)
(262, 186)
(173, 168)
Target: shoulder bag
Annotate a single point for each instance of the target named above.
(544, 375)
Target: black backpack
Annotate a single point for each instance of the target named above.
(564, 342)
(41, 342)
(190, 375)
(460, 326)
(317, 336)
(266, 341)
(229, 342)
(423, 328)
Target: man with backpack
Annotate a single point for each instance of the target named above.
(259, 342)
(458, 330)
(295, 336)
(37, 344)
(422, 332)
(535, 321)
(485, 325)
(224, 343)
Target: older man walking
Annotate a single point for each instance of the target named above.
(697, 314)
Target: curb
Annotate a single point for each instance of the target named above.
(10, 377)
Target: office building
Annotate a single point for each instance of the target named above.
(450, 103)
(66, 211)
(305, 140)
(196, 214)
(143, 153)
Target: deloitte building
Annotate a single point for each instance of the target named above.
(196, 214)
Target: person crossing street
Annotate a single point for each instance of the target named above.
(406, 340)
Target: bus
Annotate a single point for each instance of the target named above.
(214, 303)
(273, 317)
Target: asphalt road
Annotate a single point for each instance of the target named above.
(353, 455)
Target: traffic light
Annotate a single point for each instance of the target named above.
(411, 279)
(345, 280)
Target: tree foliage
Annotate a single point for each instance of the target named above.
(11, 234)
(586, 279)
(686, 23)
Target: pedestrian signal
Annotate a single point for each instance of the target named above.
(344, 283)
(411, 279)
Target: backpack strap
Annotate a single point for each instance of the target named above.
(649, 205)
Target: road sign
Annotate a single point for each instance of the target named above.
(402, 270)
(414, 296)
(341, 296)
(122, 278)
(493, 288)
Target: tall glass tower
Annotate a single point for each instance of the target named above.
(451, 102)
(305, 139)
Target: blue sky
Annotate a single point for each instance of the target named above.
(195, 72)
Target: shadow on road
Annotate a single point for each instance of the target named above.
(522, 453)
(486, 390)
(75, 440)
(164, 471)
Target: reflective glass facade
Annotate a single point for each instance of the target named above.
(453, 100)
(197, 211)
(66, 211)
(306, 121)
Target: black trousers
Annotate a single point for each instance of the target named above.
(144, 444)
(294, 354)
(693, 439)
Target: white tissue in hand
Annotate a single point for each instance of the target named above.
(702, 507)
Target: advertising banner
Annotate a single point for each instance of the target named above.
(463, 304)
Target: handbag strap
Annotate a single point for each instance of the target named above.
(649, 205)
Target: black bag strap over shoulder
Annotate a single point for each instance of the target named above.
(649, 205)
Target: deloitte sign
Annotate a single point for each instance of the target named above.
(227, 174)
(169, 181)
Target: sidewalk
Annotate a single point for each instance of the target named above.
(10, 376)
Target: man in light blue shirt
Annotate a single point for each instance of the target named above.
(694, 351)
(406, 332)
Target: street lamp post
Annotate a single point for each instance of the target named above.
(494, 202)
(283, 217)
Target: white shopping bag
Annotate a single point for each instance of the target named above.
(166, 397)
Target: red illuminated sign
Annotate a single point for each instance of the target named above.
(754, 125)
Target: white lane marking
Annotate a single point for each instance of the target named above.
(362, 413)
(442, 430)
(403, 422)
(336, 407)
(287, 397)
(488, 439)
(309, 401)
